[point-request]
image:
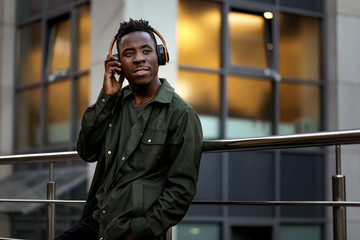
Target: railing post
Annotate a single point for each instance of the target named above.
(50, 210)
(339, 194)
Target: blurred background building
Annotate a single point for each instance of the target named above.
(249, 67)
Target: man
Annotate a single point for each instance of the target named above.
(147, 142)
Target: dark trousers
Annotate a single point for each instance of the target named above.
(86, 229)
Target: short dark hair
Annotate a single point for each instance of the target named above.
(134, 26)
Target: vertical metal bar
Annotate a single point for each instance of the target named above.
(339, 194)
(50, 210)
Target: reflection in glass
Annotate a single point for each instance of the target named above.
(29, 41)
(58, 112)
(59, 47)
(197, 230)
(299, 47)
(301, 231)
(250, 107)
(28, 119)
(299, 108)
(302, 179)
(199, 33)
(202, 91)
(241, 233)
(52, 4)
(28, 8)
(247, 39)
(256, 168)
(314, 5)
(83, 97)
(210, 175)
(83, 38)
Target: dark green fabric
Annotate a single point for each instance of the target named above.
(157, 172)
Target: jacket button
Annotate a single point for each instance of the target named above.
(103, 100)
(110, 125)
(149, 141)
(101, 238)
(123, 158)
(109, 152)
(103, 212)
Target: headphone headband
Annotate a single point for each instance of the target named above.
(162, 52)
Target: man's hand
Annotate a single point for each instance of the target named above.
(111, 85)
(128, 236)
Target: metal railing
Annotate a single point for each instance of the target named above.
(336, 138)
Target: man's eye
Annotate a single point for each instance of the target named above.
(128, 54)
(147, 51)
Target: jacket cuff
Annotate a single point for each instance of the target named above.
(105, 101)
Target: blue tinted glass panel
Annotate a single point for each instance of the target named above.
(251, 178)
(302, 180)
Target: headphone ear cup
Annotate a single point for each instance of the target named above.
(161, 54)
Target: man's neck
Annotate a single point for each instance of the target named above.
(145, 94)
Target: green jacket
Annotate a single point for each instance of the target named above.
(158, 169)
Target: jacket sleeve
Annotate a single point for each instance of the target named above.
(93, 127)
(185, 148)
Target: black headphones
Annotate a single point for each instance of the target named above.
(161, 50)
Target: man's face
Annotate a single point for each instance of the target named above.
(139, 59)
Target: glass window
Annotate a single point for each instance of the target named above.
(302, 180)
(242, 233)
(314, 5)
(28, 8)
(58, 112)
(201, 91)
(300, 232)
(299, 47)
(52, 4)
(58, 61)
(83, 40)
(199, 33)
(28, 119)
(251, 178)
(29, 54)
(247, 39)
(299, 108)
(250, 107)
(210, 175)
(83, 97)
(60, 124)
(198, 231)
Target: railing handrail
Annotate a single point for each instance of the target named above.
(336, 138)
(223, 145)
(283, 141)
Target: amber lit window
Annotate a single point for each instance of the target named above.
(247, 39)
(250, 107)
(299, 47)
(29, 51)
(199, 33)
(201, 90)
(199, 46)
(53, 91)
(299, 108)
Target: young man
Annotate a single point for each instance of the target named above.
(147, 142)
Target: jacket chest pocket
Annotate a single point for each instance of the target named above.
(154, 137)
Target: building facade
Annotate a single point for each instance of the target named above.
(250, 68)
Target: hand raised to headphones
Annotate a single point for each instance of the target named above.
(111, 85)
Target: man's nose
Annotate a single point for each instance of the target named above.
(139, 58)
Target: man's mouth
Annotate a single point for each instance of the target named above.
(140, 71)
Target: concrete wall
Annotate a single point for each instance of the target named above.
(7, 57)
(343, 52)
